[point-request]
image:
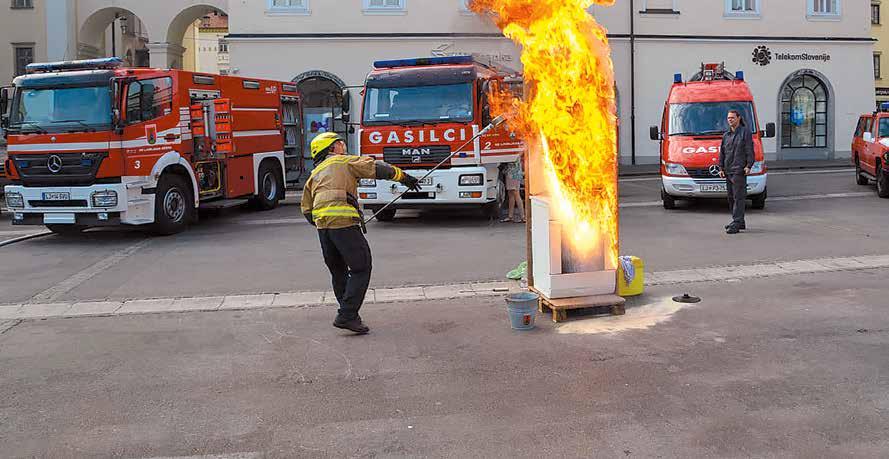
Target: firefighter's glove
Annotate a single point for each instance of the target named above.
(309, 218)
(411, 182)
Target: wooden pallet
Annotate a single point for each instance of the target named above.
(560, 307)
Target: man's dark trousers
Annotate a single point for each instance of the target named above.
(347, 256)
(736, 185)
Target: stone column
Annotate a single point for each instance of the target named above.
(166, 55)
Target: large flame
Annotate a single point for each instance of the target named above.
(568, 112)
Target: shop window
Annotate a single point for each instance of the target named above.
(875, 13)
(742, 8)
(298, 7)
(659, 7)
(149, 99)
(824, 8)
(22, 4)
(385, 6)
(804, 102)
(24, 55)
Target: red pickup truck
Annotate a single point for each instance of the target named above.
(870, 150)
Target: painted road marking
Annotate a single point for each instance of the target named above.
(413, 294)
(819, 171)
(805, 197)
(57, 291)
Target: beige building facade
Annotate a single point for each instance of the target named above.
(23, 35)
(880, 33)
(796, 55)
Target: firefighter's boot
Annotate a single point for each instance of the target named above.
(354, 325)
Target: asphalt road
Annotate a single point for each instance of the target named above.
(782, 367)
(242, 252)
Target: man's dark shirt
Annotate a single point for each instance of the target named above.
(736, 151)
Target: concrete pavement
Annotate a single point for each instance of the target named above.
(791, 366)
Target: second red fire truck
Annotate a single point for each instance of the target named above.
(92, 143)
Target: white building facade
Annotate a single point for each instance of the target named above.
(808, 62)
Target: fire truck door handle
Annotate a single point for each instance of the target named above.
(171, 137)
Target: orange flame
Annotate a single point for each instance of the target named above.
(569, 110)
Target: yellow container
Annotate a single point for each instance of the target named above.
(637, 286)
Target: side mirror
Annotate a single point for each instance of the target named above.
(4, 100)
(867, 137)
(770, 130)
(347, 101)
(654, 133)
(345, 117)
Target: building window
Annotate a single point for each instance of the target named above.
(24, 55)
(659, 7)
(824, 8)
(385, 6)
(223, 45)
(742, 7)
(22, 4)
(804, 113)
(877, 66)
(875, 13)
(298, 7)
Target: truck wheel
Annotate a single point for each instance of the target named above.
(173, 205)
(759, 201)
(860, 179)
(270, 187)
(387, 215)
(669, 201)
(882, 182)
(494, 209)
(66, 230)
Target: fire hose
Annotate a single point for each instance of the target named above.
(494, 123)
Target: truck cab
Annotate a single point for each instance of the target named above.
(690, 135)
(417, 113)
(870, 150)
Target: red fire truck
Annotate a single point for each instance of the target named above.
(92, 143)
(416, 113)
(694, 120)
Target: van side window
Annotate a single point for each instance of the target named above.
(868, 125)
(859, 129)
(149, 99)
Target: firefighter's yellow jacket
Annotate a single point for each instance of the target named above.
(330, 195)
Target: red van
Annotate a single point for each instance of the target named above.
(690, 134)
(870, 150)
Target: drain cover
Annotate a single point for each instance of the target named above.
(686, 299)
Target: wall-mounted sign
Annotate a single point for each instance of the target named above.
(449, 49)
(883, 92)
(762, 55)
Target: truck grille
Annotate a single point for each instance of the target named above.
(47, 169)
(701, 174)
(67, 203)
(416, 157)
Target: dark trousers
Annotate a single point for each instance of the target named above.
(736, 185)
(347, 256)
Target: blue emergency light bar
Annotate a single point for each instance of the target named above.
(884, 107)
(415, 62)
(106, 63)
(739, 75)
(677, 78)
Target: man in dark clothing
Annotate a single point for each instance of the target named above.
(735, 160)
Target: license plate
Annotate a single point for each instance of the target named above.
(56, 196)
(713, 188)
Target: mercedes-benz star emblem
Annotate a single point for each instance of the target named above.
(54, 164)
(714, 170)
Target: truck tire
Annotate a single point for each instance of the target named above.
(173, 205)
(271, 187)
(860, 179)
(494, 209)
(669, 201)
(882, 182)
(67, 230)
(387, 215)
(759, 201)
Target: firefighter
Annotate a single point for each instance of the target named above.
(330, 203)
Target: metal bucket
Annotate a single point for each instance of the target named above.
(522, 310)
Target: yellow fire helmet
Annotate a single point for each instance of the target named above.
(322, 141)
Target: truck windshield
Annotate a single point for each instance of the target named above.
(707, 118)
(452, 102)
(61, 109)
(884, 127)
